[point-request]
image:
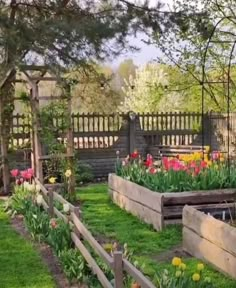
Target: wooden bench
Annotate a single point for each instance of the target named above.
(159, 151)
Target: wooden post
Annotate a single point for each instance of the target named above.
(50, 203)
(32, 136)
(132, 122)
(36, 127)
(70, 145)
(118, 269)
(77, 213)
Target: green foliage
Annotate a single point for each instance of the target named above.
(83, 173)
(74, 265)
(20, 263)
(179, 279)
(59, 237)
(37, 221)
(18, 202)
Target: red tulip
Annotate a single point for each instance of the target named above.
(134, 155)
(53, 223)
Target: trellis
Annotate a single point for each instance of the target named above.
(36, 146)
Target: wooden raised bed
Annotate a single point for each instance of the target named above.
(210, 239)
(160, 209)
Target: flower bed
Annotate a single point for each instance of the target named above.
(210, 239)
(204, 184)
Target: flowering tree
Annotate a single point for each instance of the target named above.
(144, 91)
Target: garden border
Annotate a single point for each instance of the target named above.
(209, 239)
(116, 263)
(160, 209)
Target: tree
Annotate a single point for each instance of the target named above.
(126, 69)
(184, 43)
(144, 91)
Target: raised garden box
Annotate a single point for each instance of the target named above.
(160, 209)
(210, 239)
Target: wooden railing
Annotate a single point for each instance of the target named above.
(117, 263)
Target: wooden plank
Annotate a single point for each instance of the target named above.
(199, 197)
(42, 188)
(209, 252)
(55, 156)
(94, 244)
(146, 214)
(136, 192)
(176, 211)
(93, 265)
(207, 227)
(137, 275)
(60, 215)
(60, 199)
(45, 205)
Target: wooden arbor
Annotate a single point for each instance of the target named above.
(36, 145)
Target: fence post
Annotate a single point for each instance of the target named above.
(50, 202)
(78, 214)
(118, 269)
(132, 129)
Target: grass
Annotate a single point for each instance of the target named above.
(20, 265)
(106, 220)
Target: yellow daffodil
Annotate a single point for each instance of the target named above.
(182, 266)
(176, 261)
(52, 180)
(200, 266)
(178, 274)
(68, 173)
(196, 277)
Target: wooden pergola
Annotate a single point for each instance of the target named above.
(36, 146)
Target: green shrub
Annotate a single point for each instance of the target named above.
(84, 173)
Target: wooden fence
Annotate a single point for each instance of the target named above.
(102, 131)
(80, 233)
(97, 137)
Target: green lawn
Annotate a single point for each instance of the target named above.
(20, 264)
(108, 221)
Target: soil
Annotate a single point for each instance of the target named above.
(167, 256)
(46, 253)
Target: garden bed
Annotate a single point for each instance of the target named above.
(160, 209)
(210, 239)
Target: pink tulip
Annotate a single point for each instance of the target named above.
(23, 174)
(14, 172)
(28, 176)
(203, 164)
(31, 171)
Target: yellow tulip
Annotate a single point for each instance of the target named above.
(182, 266)
(178, 274)
(176, 261)
(200, 266)
(196, 277)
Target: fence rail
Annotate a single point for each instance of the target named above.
(116, 263)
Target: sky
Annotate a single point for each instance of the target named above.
(146, 53)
